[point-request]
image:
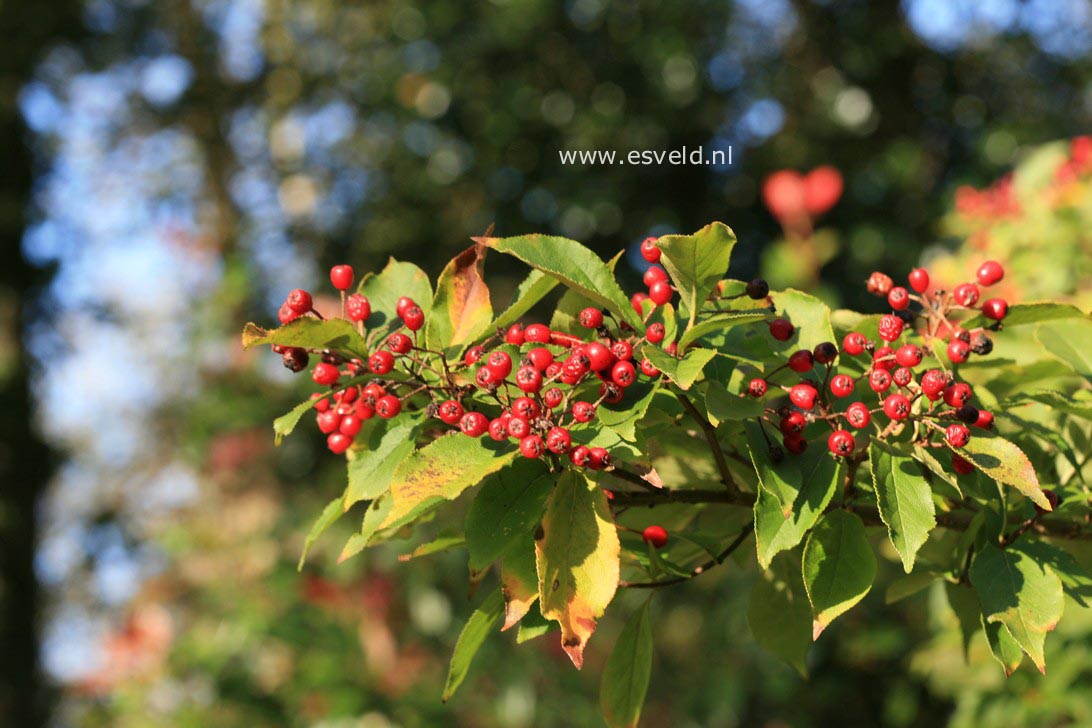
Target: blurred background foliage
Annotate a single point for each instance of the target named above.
(183, 163)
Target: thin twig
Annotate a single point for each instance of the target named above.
(710, 433)
(698, 570)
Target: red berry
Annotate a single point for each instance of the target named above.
(558, 440)
(661, 292)
(650, 251)
(622, 350)
(599, 357)
(413, 318)
(841, 443)
(672, 348)
(961, 465)
(540, 357)
(286, 315)
(325, 374)
(858, 415)
(781, 329)
(338, 442)
(649, 369)
(883, 358)
(381, 362)
(654, 275)
(498, 429)
(933, 383)
(656, 536)
(879, 284)
(528, 379)
(321, 403)
(985, 420)
(1052, 499)
(795, 444)
(957, 395)
(518, 427)
(919, 279)
(854, 343)
(989, 273)
(958, 351)
(474, 424)
(890, 327)
(957, 435)
(388, 406)
(757, 387)
(299, 301)
(966, 294)
(623, 374)
(995, 309)
(583, 411)
(598, 458)
(358, 307)
(525, 407)
(399, 343)
(841, 385)
(803, 395)
(637, 301)
(515, 335)
(902, 377)
(825, 353)
(909, 355)
(485, 378)
(896, 406)
(591, 318)
(538, 333)
(792, 424)
(473, 355)
(350, 425)
(580, 456)
(532, 447)
(879, 380)
(655, 333)
(500, 364)
(328, 421)
(553, 397)
(404, 303)
(801, 361)
(450, 412)
(342, 277)
(898, 298)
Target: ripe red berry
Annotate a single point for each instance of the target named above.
(286, 315)
(654, 275)
(958, 351)
(879, 380)
(540, 357)
(858, 415)
(342, 277)
(792, 424)
(909, 355)
(623, 374)
(358, 307)
(538, 333)
(841, 443)
(933, 383)
(598, 458)
(580, 456)
(622, 350)
(518, 426)
(500, 364)
(583, 411)
(961, 465)
(795, 444)
(655, 536)
(919, 279)
(404, 303)
(890, 327)
(350, 425)
(473, 355)
(599, 357)
(989, 273)
(338, 442)
(591, 318)
(328, 421)
(883, 358)
(879, 284)
(841, 385)
(650, 251)
(553, 397)
(649, 369)
(558, 440)
(966, 294)
(757, 387)
(388, 406)
(450, 412)
(299, 301)
(995, 309)
(321, 403)
(902, 377)
(825, 353)
(957, 435)
(414, 318)
(781, 329)
(898, 298)
(637, 301)
(474, 424)
(803, 395)
(525, 407)
(661, 292)
(672, 348)
(854, 343)
(325, 375)
(498, 429)
(896, 406)
(381, 362)
(514, 335)
(528, 379)
(655, 333)
(801, 361)
(957, 394)
(984, 420)
(399, 343)
(485, 378)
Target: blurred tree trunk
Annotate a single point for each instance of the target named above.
(25, 462)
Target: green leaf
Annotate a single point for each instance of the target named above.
(372, 467)
(533, 625)
(697, 262)
(1018, 592)
(283, 425)
(1004, 462)
(574, 265)
(576, 551)
(839, 567)
(383, 290)
(1077, 404)
(1021, 314)
(536, 286)
(779, 613)
(721, 322)
(1076, 579)
(477, 628)
(813, 477)
(808, 314)
(508, 506)
(1003, 646)
(924, 455)
(910, 584)
(441, 470)
(683, 372)
(1070, 341)
(461, 310)
(309, 333)
(436, 546)
(724, 406)
(964, 603)
(627, 672)
(631, 410)
(904, 499)
(329, 514)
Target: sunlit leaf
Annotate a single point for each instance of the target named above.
(481, 623)
(839, 567)
(461, 309)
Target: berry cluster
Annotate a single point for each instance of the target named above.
(907, 392)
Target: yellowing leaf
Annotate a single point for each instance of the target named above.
(309, 333)
(1004, 462)
(576, 551)
(519, 581)
(461, 309)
